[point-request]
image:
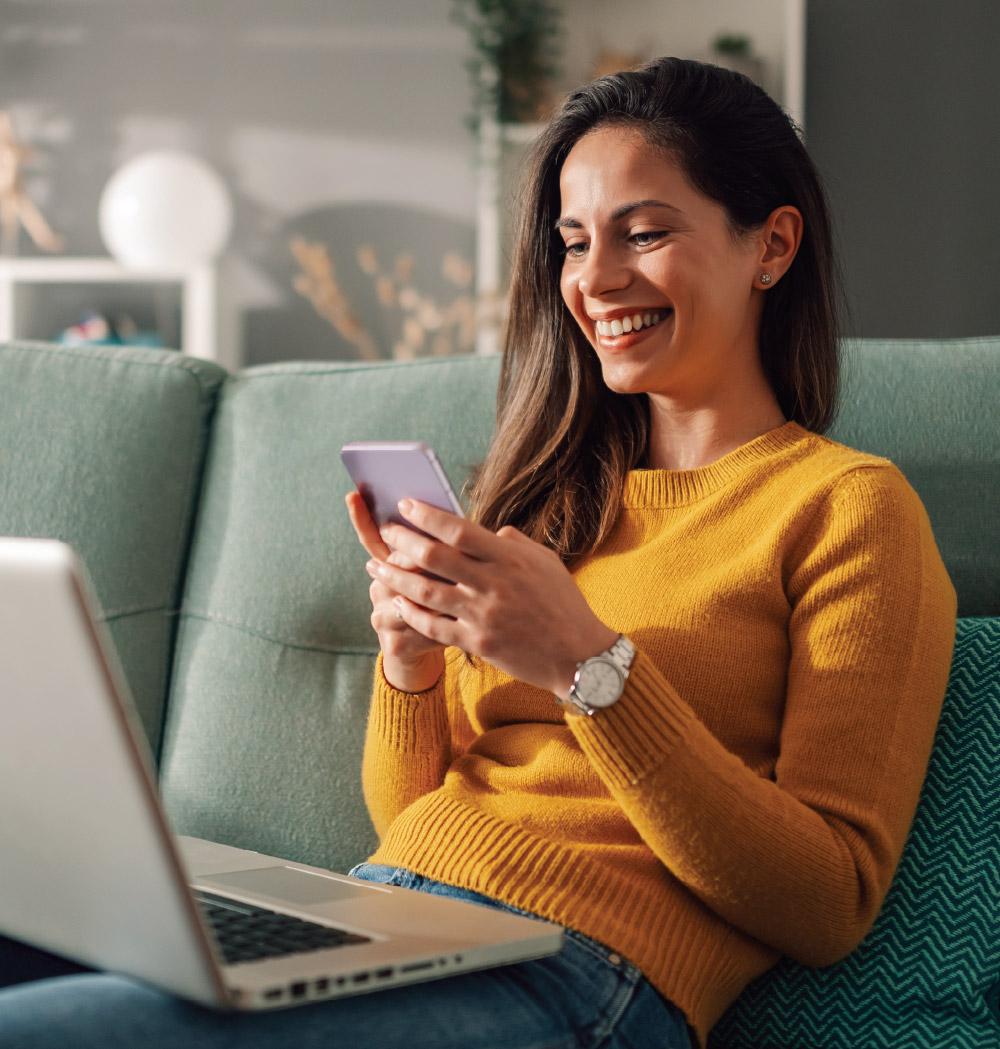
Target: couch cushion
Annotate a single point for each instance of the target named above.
(932, 408)
(275, 650)
(103, 448)
(926, 976)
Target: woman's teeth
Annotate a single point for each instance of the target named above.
(623, 325)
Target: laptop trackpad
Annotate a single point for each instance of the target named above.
(288, 884)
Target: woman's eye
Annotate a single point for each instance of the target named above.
(575, 249)
(647, 238)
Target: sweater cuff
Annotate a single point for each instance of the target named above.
(407, 720)
(634, 736)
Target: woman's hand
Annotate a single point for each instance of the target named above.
(410, 661)
(501, 596)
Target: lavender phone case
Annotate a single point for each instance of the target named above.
(386, 471)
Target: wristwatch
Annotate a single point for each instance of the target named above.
(600, 680)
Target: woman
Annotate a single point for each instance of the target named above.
(678, 685)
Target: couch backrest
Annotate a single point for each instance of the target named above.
(933, 408)
(103, 448)
(275, 652)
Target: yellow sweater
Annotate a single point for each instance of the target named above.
(749, 794)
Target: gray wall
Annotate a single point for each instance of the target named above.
(343, 120)
(903, 117)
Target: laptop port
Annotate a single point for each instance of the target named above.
(274, 994)
(383, 974)
(322, 986)
(416, 967)
(360, 977)
(298, 990)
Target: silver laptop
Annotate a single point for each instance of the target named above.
(90, 870)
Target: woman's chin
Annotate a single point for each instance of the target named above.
(620, 377)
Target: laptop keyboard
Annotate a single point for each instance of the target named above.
(246, 933)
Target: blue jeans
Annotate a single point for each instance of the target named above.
(585, 996)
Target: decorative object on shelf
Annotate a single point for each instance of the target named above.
(95, 329)
(516, 45)
(425, 327)
(165, 210)
(735, 51)
(16, 207)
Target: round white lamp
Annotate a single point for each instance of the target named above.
(165, 210)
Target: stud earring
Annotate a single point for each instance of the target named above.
(766, 278)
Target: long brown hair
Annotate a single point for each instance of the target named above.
(565, 442)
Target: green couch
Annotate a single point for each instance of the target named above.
(209, 511)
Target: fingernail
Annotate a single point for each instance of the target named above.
(405, 505)
(372, 567)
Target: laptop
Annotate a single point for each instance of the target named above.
(89, 868)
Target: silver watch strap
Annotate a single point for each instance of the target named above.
(622, 652)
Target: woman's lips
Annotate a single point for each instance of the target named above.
(611, 334)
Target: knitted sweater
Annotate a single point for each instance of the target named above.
(750, 793)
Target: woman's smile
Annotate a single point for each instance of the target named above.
(621, 333)
(613, 328)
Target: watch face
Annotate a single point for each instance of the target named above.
(600, 683)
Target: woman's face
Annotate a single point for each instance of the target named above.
(653, 274)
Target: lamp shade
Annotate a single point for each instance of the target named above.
(165, 210)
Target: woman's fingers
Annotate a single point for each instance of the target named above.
(432, 625)
(458, 532)
(365, 527)
(433, 594)
(447, 546)
(412, 661)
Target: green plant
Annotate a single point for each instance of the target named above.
(732, 44)
(516, 47)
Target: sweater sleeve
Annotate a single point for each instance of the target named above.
(409, 744)
(802, 860)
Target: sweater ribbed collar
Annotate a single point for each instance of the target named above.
(659, 488)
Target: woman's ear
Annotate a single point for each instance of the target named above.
(780, 238)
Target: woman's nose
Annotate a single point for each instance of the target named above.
(604, 270)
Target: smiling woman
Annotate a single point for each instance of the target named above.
(663, 542)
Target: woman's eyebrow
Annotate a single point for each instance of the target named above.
(620, 212)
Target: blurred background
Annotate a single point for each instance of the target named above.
(369, 151)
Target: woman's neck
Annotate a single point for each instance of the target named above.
(686, 439)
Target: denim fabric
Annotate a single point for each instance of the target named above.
(585, 997)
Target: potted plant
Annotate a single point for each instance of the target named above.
(516, 46)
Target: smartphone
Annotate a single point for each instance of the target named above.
(386, 471)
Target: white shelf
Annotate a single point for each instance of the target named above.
(668, 26)
(198, 287)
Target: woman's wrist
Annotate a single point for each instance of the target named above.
(413, 674)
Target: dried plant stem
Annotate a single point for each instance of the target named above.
(318, 283)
